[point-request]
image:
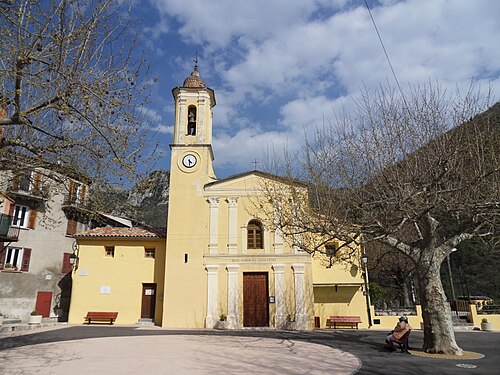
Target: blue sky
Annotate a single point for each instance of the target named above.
(280, 68)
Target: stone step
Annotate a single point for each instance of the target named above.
(145, 322)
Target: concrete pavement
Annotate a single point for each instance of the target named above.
(132, 350)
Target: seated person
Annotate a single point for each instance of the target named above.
(396, 336)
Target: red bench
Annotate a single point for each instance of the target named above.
(101, 316)
(343, 320)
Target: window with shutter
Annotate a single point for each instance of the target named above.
(20, 218)
(2, 256)
(26, 260)
(16, 258)
(71, 227)
(66, 265)
(32, 219)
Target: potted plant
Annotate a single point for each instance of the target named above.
(1, 318)
(9, 267)
(485, 326)
(222, 323)
(35, 318)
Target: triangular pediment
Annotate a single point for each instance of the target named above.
(253, 181)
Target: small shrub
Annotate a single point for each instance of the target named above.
(223, 317)
(34, 313)
(484, 320)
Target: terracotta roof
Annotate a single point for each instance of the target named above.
(111, 232)
(194, 80)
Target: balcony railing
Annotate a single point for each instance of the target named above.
(30, 194)
(7, 231)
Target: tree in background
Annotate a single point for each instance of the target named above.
(417, 173)
(71, 87)
(393, 271)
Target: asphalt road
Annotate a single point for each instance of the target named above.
(364, 344)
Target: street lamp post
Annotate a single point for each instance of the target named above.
(453, 296)
(364, 263)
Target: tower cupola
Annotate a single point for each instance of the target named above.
(194, 80)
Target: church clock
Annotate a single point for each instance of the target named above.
(189, 161)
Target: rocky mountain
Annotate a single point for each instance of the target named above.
(146, 202)
(150, 199)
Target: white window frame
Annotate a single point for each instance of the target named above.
(10, 257)
(31, 176)
(21, 219)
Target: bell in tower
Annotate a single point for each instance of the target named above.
(193, 111)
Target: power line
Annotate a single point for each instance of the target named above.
(385, 51)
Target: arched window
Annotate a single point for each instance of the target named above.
(191, 128)
(254, 235)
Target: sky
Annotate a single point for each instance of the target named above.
(280, 68)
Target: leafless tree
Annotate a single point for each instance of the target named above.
(418, 173)
(72, 84)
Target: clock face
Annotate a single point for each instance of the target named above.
(189, 161)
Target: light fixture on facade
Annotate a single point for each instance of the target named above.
(364, 260)
(73, 258)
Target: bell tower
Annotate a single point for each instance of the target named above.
(191, 168)
(192, 146)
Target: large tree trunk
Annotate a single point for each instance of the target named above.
(406, 294)
(439, 336)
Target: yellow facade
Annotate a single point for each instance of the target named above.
(224, 258)
(115, 283)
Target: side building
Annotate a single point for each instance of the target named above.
(44, 209)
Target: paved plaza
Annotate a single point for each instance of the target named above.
(131, 350)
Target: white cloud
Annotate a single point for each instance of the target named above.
(281, 67)
(150, 114)
(164, 129)
(240, 150)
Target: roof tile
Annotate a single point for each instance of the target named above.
(112, 232)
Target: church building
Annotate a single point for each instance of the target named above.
(222, 262)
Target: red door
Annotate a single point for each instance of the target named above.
(43, 303)
(255, 299)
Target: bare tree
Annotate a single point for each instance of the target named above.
(418, 173)
(72, 84)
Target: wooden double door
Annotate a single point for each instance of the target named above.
(255, 299)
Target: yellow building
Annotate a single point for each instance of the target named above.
(120, 270)
(223, 259)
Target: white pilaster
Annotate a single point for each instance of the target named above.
(244, 239)
(181, 121)
(213, 245)
(233, 221)
(265, 239)
(279, 298)
(232, 297)
(278, 235)
(300, 307)
(212, 275)
(200, 129)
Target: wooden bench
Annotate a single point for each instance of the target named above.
(93, 316)
(343, 320)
